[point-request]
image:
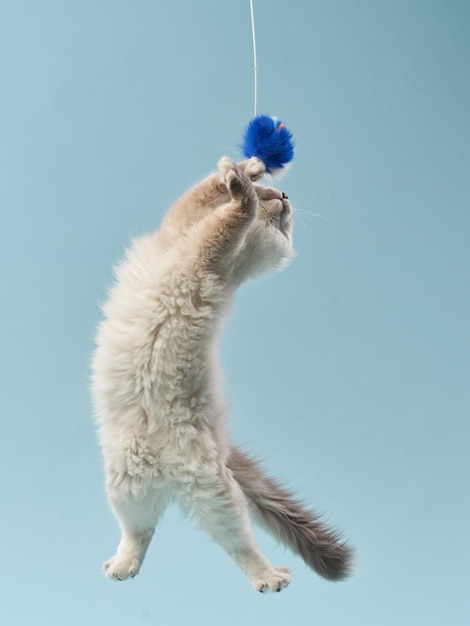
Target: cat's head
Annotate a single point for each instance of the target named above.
(267, 244)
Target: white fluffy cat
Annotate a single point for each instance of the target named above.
(157, 386)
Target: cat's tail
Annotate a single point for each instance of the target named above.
(290, 522)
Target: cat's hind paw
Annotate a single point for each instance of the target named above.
(271, 579)
(119, 568)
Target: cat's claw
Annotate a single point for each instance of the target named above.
(119, 568)
(272, 579)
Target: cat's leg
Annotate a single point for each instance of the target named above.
(219, 235)
(219, 506)
(138, 514)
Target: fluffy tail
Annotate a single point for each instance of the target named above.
(288, 521)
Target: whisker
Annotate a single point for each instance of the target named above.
(301, 220)
(308, 213)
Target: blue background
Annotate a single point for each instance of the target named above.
(348, 373)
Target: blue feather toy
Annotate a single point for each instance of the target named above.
(268, 139)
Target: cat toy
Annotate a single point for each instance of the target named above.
(266, 137)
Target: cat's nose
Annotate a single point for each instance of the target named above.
(285, 196)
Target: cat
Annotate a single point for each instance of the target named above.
(157, 387)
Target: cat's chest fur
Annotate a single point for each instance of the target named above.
(156, 350)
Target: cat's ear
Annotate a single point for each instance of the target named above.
(253, 168)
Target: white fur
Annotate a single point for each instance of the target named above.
(156, 381)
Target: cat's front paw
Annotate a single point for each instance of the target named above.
(254, 168)
(224, 166)
(271, 579)
(238, 183)
(120, 568)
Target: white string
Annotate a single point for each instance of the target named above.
(255, 63)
